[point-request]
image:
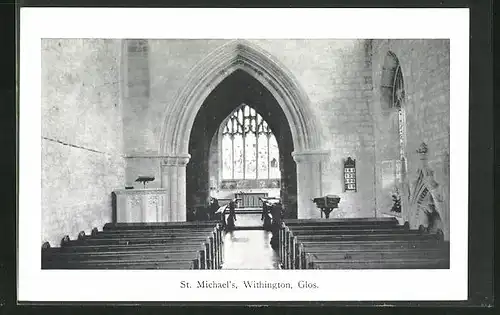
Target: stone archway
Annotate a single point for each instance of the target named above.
(202, 79)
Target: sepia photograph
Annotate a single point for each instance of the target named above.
(262, 154)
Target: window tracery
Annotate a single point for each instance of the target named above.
(249, 148)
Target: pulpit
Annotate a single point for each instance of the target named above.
(327, 203)
(140, 205)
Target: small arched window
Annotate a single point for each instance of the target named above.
(398, 103)
(249, 148)
(393, 97)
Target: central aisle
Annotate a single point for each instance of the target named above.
(249, 249)
(248, 220)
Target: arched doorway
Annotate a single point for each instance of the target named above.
(246, 61)
(240, 91)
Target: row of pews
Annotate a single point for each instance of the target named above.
(360, 243)
(168, 245)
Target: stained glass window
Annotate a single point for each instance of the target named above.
(274, 158)
(227, 166)
(238, 160)
(263, 157)
(249, 148)
(250, 156)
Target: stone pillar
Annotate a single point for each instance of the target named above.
(309, 182)
(173, 180)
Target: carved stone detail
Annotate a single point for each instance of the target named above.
(181, 160)
(312, 156)
(422, 150)
(427, 204)
(81, 235)
(147, 191)
(134, 201)
(65, 240)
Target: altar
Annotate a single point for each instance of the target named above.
(250, 199)
(140, 205)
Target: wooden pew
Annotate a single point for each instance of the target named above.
(441, 263)
(153, 225)
(67, 258)
(352, 223)
(128, 264)
(362, 246)
(161, 226)
(324, 254)
(359, 243)
(216, 225)
(172, 245)
(349, 221)
(71, 254)
(334, 227)
(291, 256)
(165, 253)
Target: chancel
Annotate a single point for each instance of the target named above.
(252, 154)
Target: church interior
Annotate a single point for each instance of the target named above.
(245, 154)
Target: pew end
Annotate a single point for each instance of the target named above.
(422, 229)
(45, 245)
(81, 235)
(406, 225)
(65, 240)
(440, 235)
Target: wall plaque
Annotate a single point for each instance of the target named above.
(350, 175)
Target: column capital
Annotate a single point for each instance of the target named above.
(175, 160)
(310, 156)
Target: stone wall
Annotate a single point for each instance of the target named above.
(94, 140)
(425, 66)
(82, 141)
(156, 71)
(336, 75)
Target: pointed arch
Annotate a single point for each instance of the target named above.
(391, 82)
(204, 77)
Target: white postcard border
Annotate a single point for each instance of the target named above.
(35, 284)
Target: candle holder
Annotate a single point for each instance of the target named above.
(326, 204)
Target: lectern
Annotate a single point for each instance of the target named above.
(145, 179)
(327, 203)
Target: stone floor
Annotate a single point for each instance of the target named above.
(249, 249)
(248, 220)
